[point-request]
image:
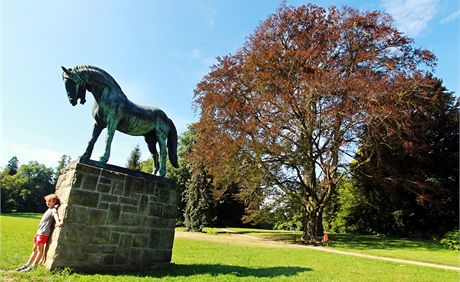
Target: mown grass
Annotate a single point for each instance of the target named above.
(205, 259)
(409, 249)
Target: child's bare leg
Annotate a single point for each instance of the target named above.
(40, 251)
(33, 255)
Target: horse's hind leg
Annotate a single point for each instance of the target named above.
(162, 144)
(151, 141)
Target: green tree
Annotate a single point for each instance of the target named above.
(183, 173)
(199, 203)
(24, 191)
(13, 165)
(62, 163)
(134, 159)
(147, 166)
(409, 183)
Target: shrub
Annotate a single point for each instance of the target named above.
(450, 240)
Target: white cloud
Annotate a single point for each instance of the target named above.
(208, 12)
(451, 17)
(25, 154)
(196, 54)
(411, 16)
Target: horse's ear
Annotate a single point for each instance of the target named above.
(66, 71)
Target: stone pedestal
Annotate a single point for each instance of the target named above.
(114, 219)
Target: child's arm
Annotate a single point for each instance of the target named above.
(56, 218)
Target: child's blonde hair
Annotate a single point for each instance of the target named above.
(52, 197)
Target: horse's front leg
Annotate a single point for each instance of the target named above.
(111, 127)
(97, 129)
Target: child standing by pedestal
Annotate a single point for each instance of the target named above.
(43, 232)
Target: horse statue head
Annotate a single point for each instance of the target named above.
(74, 85)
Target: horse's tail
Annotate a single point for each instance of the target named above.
(172, 144)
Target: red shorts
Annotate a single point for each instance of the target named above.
(40, 239)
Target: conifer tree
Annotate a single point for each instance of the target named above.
(134, 159)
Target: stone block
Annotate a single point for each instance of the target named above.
(128, 208)
(135, 256)
(148, 221)
(143, 204)
(114, 214)
(83, 198)
(168, 211)
(77, 180)
(154, 209)
(129, 219)
(90, 182)
(109, 198)
(103, 206)
(151, 257)
(63, 194)
(114, 238)
(76, 214)
(104, 188)
(108, 259)
(166, 239)
(117, 188)
(129, 201)
(65, 180)
(128, 184)
(156, 194)
(149, 188)
(137, 185)
(113, 175)
(85, 169)
(107, 249)
(105, 180)
(140, 241)
(96, 216)
(77, 233)
(123, 249)
(164, 195)
(154, 238)
(101, 235)
(163, 255)
(171, 223)
(159, 222)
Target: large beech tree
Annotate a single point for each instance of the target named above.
(284, 115)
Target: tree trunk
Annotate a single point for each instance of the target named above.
(312, 226)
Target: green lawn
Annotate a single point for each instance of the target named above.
(409, 249)
(211, 257)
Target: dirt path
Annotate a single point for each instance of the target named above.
(234, 236)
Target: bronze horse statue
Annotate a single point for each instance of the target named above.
(113, 110)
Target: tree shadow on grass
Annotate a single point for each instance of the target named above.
(23, 215)
(175, 270)
(365, 242)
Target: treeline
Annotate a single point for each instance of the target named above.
(24, 186)
(404, 191)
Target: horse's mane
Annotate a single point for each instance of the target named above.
(98, 75)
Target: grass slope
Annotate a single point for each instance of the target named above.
(207, 257)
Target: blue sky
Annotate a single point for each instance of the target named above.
(157, 51)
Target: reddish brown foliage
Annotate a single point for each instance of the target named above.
(291, 106)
